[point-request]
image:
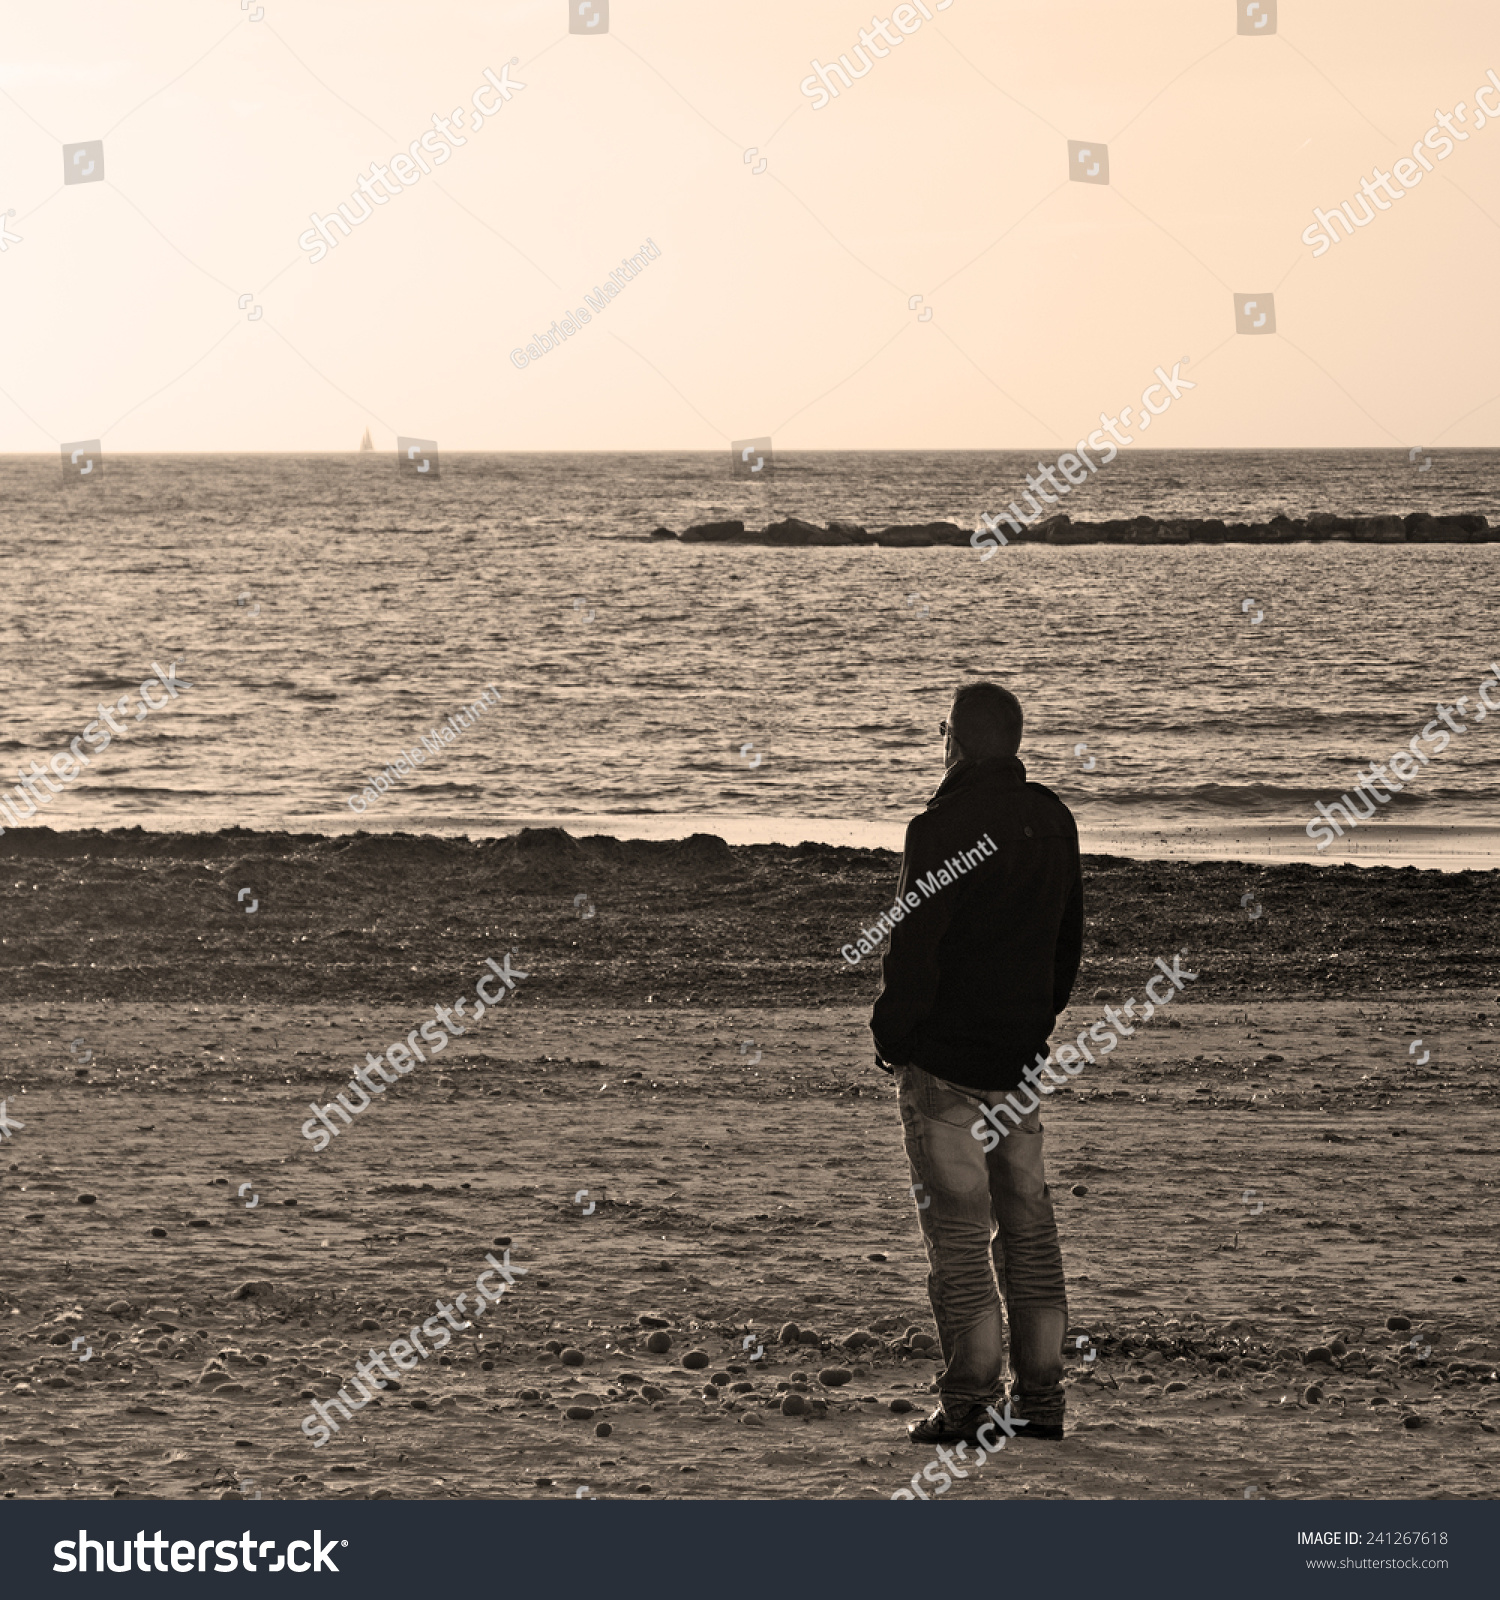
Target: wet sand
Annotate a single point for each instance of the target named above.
(1266, 1185)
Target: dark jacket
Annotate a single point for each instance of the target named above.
(978, 971)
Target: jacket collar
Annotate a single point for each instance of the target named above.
(1004, 772)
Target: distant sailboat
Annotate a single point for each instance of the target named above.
(367, 443)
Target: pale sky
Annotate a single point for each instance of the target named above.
(779, 304)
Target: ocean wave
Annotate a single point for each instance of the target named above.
(1271, 799)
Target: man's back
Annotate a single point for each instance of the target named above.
(977, 973)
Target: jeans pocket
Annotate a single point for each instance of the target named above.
(941, 1101)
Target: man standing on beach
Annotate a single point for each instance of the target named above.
(979, 967)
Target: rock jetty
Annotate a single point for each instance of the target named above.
(1418, 527)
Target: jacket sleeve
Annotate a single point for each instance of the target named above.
(1069, 938)
(910, 967)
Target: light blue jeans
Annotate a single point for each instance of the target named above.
(990, 1232)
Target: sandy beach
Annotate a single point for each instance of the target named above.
(1273, 1207)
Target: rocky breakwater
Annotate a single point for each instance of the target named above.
(1418, 527)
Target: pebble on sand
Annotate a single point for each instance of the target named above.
(88, 1199)
(1398, 1324)
(659, 1343)
(789, 1333)
(647, 1320)
(158, 1233)
(579, 1413)
(793, 1405)
(1414, 1422)
(603, 1431)
(1318, 1352)
(1313, 1393)
(834, 1377)
(695, 1360)
(572, 1357)
(1079, 1189)
(901, 1406)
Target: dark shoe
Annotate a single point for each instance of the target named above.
(1040, 1430)
(941, 1428)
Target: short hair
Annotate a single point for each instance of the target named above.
(987, 720)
